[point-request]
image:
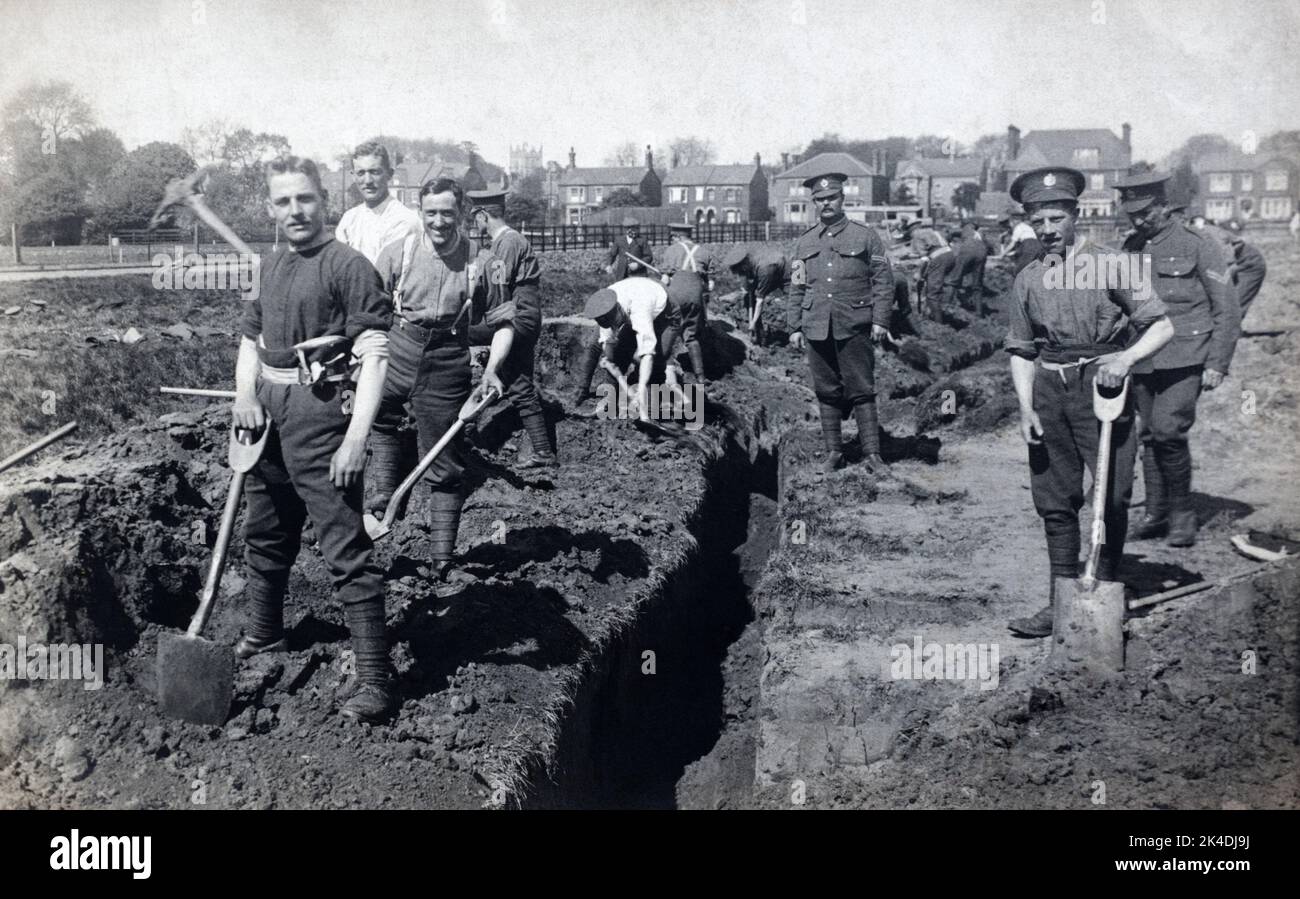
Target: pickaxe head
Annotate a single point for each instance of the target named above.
(179, 192)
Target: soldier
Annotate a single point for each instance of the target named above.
(635, 318)
(316, 454)
(1247, 267)
(688, 274)
(1191, 278)
(764, 271)
(379, 219)
(968, 270)
(618, 258)
(440, 289)
(515, 277)
(841, 300)
(1061, 339)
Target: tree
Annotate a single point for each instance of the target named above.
(135, 185)
(902, 195)
(245, 150)
(625, 155)
(520, 208)
(692, 151)
(966, 196)
(827, 143)
(1199, 145)
(206, 142)
(624, 197)
(932, 146)
(1282, 143)
(51, 207)
(1141, 167)
(1183, 183)
(55, 107)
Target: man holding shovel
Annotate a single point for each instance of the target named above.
(314, 458)
(439, 284)
(1063, 335)
(764, 272)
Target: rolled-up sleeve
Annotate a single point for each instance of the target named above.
(367, 304)
(1020, 332)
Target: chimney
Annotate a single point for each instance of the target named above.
(1013, 142)
(1128, 135)
(785, 161)
(676, 161)
(649, 158)
(573, 158)
(758, 160)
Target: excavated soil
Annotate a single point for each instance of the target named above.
(636, 629)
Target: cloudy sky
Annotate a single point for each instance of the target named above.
(762, 76)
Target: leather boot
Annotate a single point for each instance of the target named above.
(869, 436)
(587, 365)
(697, 361)
(832, 437)
(444, 521)
(265, 598)
(1155, 520)
(375, 698)
(1177, 469)
(1038, 624)
(383, 470)
(543, 456)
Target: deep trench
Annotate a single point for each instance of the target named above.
(630, 734)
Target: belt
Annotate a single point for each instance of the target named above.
(422, 334)
(272, 375)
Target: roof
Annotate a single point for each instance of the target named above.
(828, 162)
(710, 174)
(1057, 146)
(623, 176)
(416, 173)
(958, 167)
(1235, 161)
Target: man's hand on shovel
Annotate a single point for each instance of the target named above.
(1112, 369)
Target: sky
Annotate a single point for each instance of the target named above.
(763, 76)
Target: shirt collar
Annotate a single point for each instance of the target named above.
(322, 238)
(427, 243)
(835, 228)
(382, 206)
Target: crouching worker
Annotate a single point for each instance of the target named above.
(764, 271)
(439, 285)
(315, 456)
(1062, 338)
(635, 320)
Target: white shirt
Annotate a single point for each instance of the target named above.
(368, 230)
(642, 300)
(1020, 232)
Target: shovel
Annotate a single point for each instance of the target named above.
(376, 528)
(196, 677)
(1088, 624)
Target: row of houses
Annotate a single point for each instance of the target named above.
(1239, 185)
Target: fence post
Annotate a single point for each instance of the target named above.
(18, 251)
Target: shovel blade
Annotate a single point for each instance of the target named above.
(196, 679)
(1088, 626)
(375, 527)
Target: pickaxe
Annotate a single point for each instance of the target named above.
(188, 191)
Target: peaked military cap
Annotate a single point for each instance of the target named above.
(1053, 182)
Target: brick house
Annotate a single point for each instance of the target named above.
(1102, 157)
(717, 193)
(584, 190)
(1240, 185)
(866, 186)
(932, 182)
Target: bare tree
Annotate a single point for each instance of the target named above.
(625, 154)
(205, 142)
(692, 151)
(53, 106)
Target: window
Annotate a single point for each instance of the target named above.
(733, 216)
(798, 190)
(1220, 183)
(1087, 157)
(1247, 181)
(708, 194)
(1275, 179)
(699, 193)
(852, 189)
(575, 216)
(599, 193)
(1097, 181)
(731, 195)
(678, 195)
(1275, 208)
(1218, 209)
(575, 195)
(795, 212)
